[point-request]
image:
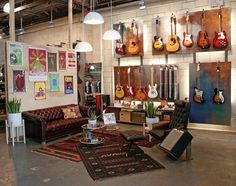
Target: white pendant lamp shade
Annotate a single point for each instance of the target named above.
(83, 47)
(111, 35)
(6, 8)
(93, 18)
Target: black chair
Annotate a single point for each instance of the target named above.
(179, 120)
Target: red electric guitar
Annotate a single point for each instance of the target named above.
(129, 91)
(220, 40)
(187, 42)
(120, 47)
(141, 93)
(203, 40)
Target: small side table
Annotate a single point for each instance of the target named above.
(13, 132)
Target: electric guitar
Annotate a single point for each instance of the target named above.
(172, 41)
(220, 40)
(203, 40)
(198, 93)
(129, 92)
(158, 41)
(218, 97)
(152, 92)
(187, 42)
(120, 47)
(141, 93)
(133, 47)
(119, 89)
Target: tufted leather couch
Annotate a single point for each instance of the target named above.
(47, 124)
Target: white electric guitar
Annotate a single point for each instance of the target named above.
(152, 92)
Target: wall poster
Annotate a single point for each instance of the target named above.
(18, 81)
(39, 90)
(54, 82)
(62, 60)
(52, 62)
(68, 84)
(15, 54)
(37, 64)
(71, 54)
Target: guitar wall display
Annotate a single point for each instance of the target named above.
(131, 42)
(201, 31)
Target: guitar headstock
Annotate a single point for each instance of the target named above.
(203, 14)
(187, 16)
(157, 20)
(129, 70)
(198, 66)
(219, 12)
(218, 68)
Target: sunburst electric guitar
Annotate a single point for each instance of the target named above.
(218, 97)
(187, 42)
(198, 93)
(158, 41)
(141, 93)
(133, 47)
(172, 41)
(119, 89)
(152, 92)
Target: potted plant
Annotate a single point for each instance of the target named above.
(92, 118)
(151, 114)
(14, 115)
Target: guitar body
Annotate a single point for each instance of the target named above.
(218, 97)
(141, 94)
(119, 92)
(203, 40)
(187, 42)
(152, 92)
(158, 43)
(220, 40)
(133, 47)
(198, 96)
(129, 92)
(172, 43)
(120, 48)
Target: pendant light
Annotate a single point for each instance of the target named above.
(21, 31)
(93, 18)
(50, 23)
(83, 46)
(111, 34)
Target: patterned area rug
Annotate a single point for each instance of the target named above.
(67, 149)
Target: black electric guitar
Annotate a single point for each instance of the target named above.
(198, 93)
(218, 97)
(158, 41)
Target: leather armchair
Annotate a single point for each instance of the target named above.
(179, 120)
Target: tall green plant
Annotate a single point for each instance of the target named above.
(13, 106)
(151, 111)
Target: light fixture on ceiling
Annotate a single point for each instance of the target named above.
(92, 67)
(142, 5)
(93, 18)
(21, 31)
(50, 23)
(6, 8)
(111, 34)
(0, 36)
(83, 46)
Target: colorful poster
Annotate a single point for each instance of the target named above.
(15, 54)
(52, 62)
(62, 60)
(68, 84)
(54, 82)
(37, 64)
(39, 90)
(18, 81)
(71, 58)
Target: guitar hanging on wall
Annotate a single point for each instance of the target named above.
(141, 93)
(172, 42)
(120, 47)
(119, 89)
(129, 92)
(218, 97)
(152, 92)
(187, 42)
(220, 39)
(158, 41)
(203, 40)
(198, 93)
(133, 47)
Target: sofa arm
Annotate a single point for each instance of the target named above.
(84, 110)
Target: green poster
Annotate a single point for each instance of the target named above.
(15, 54)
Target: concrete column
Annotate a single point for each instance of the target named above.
(12, 20)
(70, 21)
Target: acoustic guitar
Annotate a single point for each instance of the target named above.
(187, 42)
(158, 41)
(218, 97)
(129, 91)
(198, 93)
(152, 92)
(120, 47)
(119, 89)
(172, 41)
(220, 39)
(133, 47)
(141, 93)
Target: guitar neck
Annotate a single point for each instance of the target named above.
(220, 26)
(119, 77)
(152, 76)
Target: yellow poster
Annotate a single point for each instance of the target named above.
(39, 90)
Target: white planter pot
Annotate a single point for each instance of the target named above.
(92, 123)
(151, 121)
(14, 119)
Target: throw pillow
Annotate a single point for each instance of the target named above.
(71, 112)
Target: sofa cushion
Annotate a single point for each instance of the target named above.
(71, 112)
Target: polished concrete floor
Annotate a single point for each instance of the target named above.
(213, 164)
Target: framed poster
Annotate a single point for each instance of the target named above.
(15, 54)
(18, 81)
(71, 54)
(52, 62)
(39, 90)
(68, 84)
(62, 60)
(54, 82)
(37, 64)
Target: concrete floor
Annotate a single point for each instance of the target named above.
(213, 164)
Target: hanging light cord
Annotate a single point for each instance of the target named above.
(82, 19)
(111, 15)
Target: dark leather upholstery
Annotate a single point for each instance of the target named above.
(49, 123)
(179, 120)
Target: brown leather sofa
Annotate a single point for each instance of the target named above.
(47, 124)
